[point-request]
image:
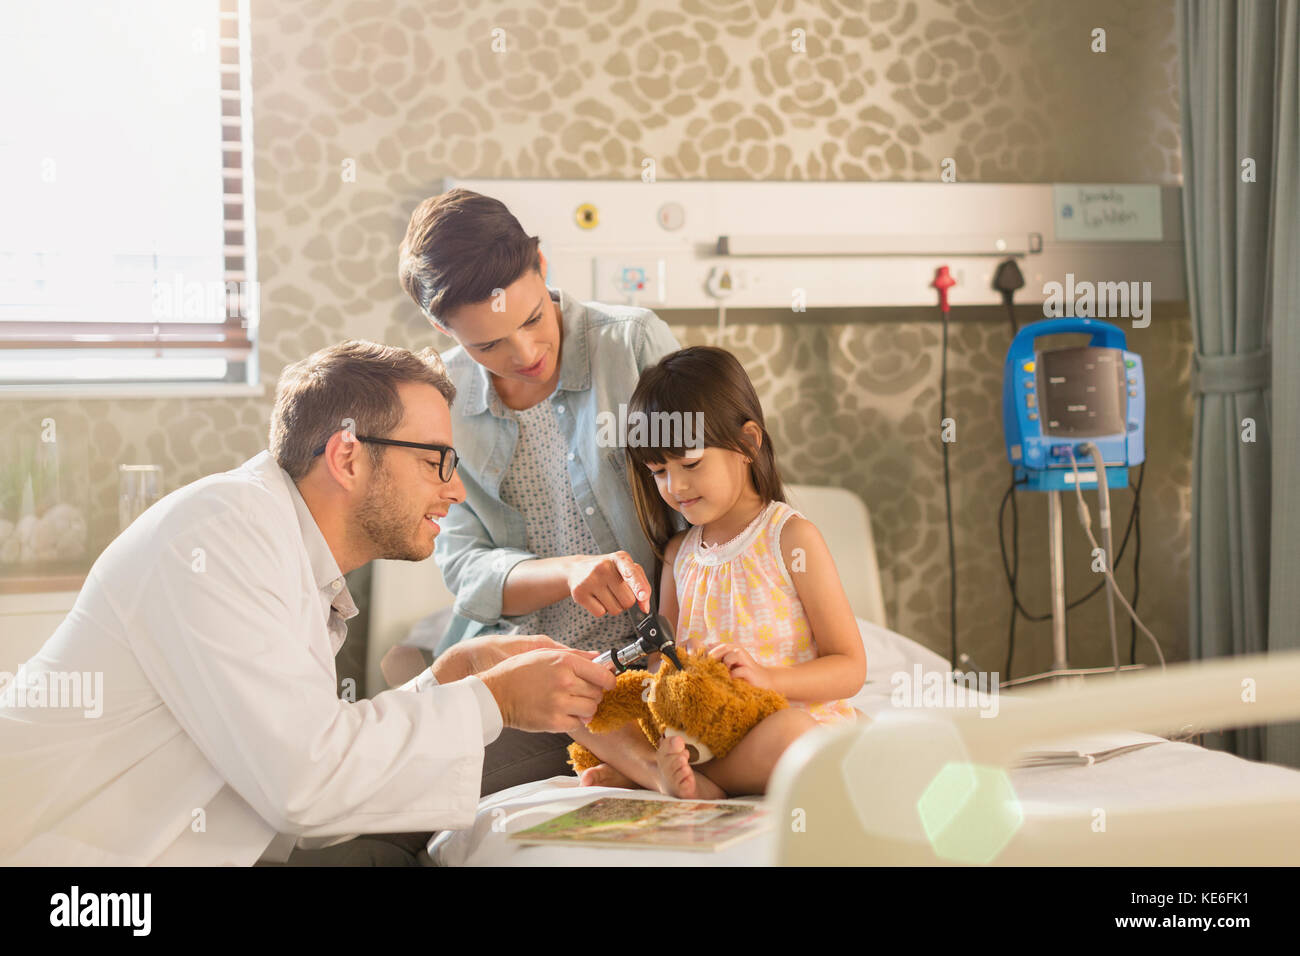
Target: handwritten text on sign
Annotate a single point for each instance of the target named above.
(1107, 212)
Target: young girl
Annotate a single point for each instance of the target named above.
(751, 581)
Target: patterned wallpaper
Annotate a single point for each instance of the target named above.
(410, 91)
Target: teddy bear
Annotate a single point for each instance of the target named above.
(702, 703)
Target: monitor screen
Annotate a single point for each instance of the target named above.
(1082, 392)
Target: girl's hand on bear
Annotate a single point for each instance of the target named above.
(741, 665)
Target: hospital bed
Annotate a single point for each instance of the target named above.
(918, 786)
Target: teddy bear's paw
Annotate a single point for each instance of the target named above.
(697, 749)
(580, 758)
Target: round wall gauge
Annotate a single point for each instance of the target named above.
(672, 215)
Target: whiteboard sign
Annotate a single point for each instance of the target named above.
(1104, 212)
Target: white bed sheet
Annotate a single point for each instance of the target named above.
(1166, 774)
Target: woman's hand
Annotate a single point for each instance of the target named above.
(608, 583)
(741, 665)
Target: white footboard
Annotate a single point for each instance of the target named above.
(935, 787)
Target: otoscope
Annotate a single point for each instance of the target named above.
(653, 634)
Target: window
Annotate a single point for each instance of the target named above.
(127, 252)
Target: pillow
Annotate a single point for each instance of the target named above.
(889, 652)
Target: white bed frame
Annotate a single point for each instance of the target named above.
(849, 795)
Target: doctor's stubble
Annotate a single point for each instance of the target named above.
(382, 515)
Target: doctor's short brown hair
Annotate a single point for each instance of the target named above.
(354, 381)
(460, 247)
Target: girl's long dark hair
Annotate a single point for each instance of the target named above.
(712, 382)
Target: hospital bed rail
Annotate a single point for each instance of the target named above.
(927, 787)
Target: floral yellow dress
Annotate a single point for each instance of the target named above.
(740, 592)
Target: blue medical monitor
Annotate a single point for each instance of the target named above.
(1054, 401)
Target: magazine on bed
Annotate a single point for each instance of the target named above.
(1087, 750)
(660, 824)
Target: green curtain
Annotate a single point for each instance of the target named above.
(1240, 83)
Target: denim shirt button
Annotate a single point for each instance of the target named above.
(591, 511)
(560, 409)
(570, 456)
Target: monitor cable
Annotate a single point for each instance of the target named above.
(1131, 529)
(1085, 519)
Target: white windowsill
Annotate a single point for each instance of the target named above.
(133, 390)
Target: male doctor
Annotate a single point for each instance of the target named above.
(214, 619)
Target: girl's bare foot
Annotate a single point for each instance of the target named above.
(676, 778)
(603, 775)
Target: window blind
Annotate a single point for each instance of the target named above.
(126, 245)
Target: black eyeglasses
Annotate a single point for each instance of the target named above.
(446, 464)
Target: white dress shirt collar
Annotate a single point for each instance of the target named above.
(329, 579)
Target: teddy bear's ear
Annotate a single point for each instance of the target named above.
(627, 701)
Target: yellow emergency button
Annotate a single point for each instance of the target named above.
(1028, 366)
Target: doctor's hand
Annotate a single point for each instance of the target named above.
(484, 652)
(608, 583)
(547, 690)
(480, 653)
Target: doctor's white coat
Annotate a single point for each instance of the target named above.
(221, 724)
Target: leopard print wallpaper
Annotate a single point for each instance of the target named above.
(410, 91)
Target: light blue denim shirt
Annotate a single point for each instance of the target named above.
(604, 350)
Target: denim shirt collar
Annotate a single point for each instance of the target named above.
(575, 360)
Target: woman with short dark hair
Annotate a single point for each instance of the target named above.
(547, 540)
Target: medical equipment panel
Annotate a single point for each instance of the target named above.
(1054, 401)
(808, 245)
